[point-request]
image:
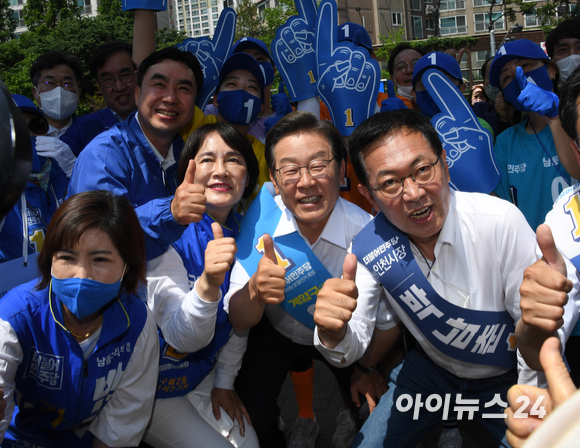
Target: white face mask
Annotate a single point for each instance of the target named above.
(58, 103)
(405, 91)
(568, 65)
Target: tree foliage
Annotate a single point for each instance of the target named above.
(275, 18)
(46, 14)
(249, 22)
(8, 22)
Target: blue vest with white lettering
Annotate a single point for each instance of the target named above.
(56, 388)
(473, 336)
(180, 373)
(305, 274)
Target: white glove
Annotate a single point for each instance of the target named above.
(57, 150)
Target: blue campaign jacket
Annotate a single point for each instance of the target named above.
(56, 388)
(180, 373)
(40, 205)
(121, 161)
(86, 128)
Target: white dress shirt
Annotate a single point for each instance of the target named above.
(345, 221)
(480, 256)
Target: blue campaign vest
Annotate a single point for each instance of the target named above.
(305, 274)
(477, 337)
(180, 373)
(56, 388)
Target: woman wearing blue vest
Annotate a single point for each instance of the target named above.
(78, 350)
(200, 354)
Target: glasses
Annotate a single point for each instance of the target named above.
(393, 187)
(125, 78)
(66, 85)
(38, 126)
(291, 174)
(404, 66)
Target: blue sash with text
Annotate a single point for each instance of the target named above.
(477, 337)
(305, 274)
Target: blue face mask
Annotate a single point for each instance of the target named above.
(83, 296)
(268, 71)
(238, 106)
(538, 77)
(427, 106)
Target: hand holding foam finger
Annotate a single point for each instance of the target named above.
(392, 102)
(534, 98)
(188, 204)
(335, 304)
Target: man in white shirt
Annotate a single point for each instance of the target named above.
(455, 262)
(305, 160)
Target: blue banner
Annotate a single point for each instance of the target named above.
(473, 336)
(305, 274)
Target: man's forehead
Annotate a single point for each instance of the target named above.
(121, 60)
(167, 67)
(62, 70)
(567, 41)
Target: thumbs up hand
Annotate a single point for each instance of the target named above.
(335, 304)
(534, 98)
(188, 204)
(544, 290)
(268, 282)
(523, 420)
(392, 102)
(219, 257)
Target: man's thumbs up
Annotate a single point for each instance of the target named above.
(188, 204)
(335, 304)
(544, 290)
(268, 282)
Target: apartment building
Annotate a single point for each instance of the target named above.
(197, 18)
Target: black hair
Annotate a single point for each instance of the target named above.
(174, 54)
(383, 125)
(302, 122)
(569, 104)
(51, 59)
(398, 49)
(106, 50)
(568, 28)
(484, 67)
(233, 138)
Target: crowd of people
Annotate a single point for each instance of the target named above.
(187, 256)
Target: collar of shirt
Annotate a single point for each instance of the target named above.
(333, 231)
(167, 161)
(56, 133)
(448, 233)
(118, 117)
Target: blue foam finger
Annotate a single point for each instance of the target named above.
(522, 81)
(293, 51)
(468, 146)
(153, 5)
(348, 79)
(211, 53)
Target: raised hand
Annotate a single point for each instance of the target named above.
(335, 304)
(534, 98)
(219, 257)
(212, 53)
(466, 143)
(541, 402)
(293, 51)
(392, 102)
(544, 290)
(268, 283)
(188, 204)
(348, 79)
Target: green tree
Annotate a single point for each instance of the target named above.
(8, 21)
(275, 18)
(42, 14)
(249, 22)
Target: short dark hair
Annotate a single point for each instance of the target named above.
(302, 122)
(568, 28)
(106, 50)
(383, 125)
(398, 49)
(174, 54)
(102, 210)
(569, 104)
(51, 59)
(233, 138)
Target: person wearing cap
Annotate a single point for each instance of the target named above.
(450, 67)
(138, 157)
(238, 101)
(401, 63)
(45, 191)
(527, 154)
